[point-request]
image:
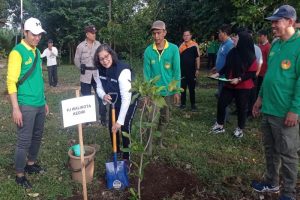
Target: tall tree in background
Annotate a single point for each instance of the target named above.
(126, 29)
(3, 12)
(65, 20)
(203, 17)
(125, 24)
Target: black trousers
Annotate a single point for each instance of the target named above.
(241, 97)
(211, 62)
(189, 82)
(52, 75)
(124, 128)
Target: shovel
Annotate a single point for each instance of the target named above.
(116, 171)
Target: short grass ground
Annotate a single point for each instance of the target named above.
(224, 164)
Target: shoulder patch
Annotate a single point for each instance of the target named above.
(285, 64)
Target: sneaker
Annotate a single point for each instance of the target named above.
(217, 128)
(34, 169)
(22, 181)
(283, 197)
(238, 133)
(264, 187)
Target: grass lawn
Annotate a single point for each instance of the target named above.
(224, 164)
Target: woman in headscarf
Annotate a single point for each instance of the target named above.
(240, 69)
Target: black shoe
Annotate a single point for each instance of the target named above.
(34, 169)
(125, 155)
(103, 123)
(193, 108)
(182, 106)
(22, 181)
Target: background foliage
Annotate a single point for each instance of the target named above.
(125, 24)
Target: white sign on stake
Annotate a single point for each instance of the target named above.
(78, 110)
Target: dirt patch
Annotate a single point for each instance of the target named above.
(160, 181)
(164, 182)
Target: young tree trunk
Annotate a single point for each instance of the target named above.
(70, 53)
(130, 54)
(140, 175)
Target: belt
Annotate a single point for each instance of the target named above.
(90, 68)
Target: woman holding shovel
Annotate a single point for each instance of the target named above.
(113, 87)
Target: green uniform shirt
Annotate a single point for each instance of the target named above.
(166, 65)
(280, 90)
(31, 92)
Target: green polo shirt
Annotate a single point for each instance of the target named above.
(166, 65)
(280, 90)
(31, 92)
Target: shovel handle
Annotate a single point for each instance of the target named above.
(113, 120)
(114, 134)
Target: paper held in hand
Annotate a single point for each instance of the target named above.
(219, 79)
(78, 110)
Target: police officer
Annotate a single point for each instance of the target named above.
(84, 60)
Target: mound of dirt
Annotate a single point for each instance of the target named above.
(160, 181)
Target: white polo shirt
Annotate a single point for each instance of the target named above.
(50, 55)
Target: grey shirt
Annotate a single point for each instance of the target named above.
(85, 55)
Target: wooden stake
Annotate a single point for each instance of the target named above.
(84, 189)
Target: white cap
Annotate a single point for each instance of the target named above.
(34, 26)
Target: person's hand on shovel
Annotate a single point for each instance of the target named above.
(116, 127)
(107, 98)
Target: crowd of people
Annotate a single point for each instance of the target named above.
(263, 78)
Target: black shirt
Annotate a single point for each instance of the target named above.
(188, 61)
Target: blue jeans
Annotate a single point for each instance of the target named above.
(86, 89)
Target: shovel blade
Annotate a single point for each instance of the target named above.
(116, 177)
